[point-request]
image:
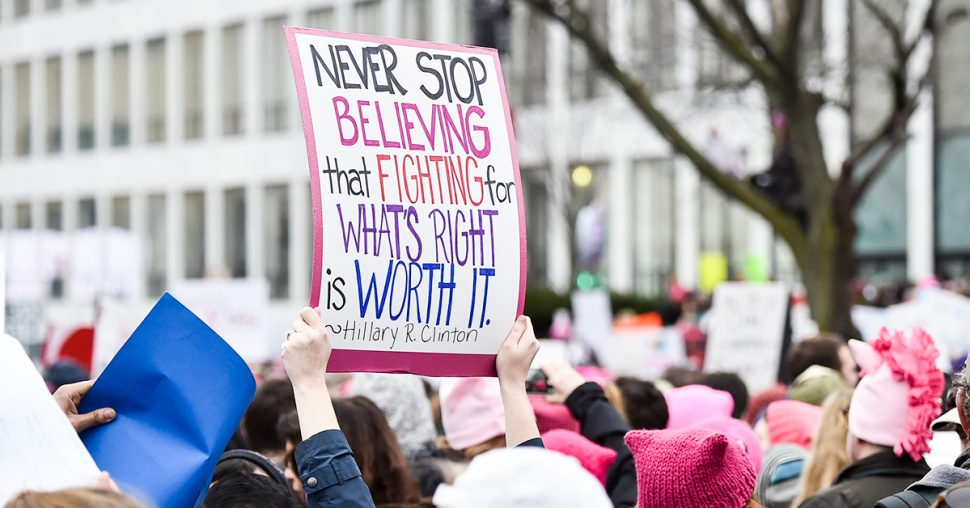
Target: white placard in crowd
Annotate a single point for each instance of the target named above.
(747, 331)
(593, 319)
(236, 309)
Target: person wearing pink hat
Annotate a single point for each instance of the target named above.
(594, 458)
(740, 432)
(691, 468)
(472, 414)
(889, 418)
(792, 421)
(690, 404)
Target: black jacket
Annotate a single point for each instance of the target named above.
(602, 424)
(865, 482)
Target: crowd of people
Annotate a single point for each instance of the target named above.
(850, 427)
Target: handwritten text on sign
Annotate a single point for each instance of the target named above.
(417, 200)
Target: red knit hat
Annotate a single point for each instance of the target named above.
(594, 458)
(687, 468)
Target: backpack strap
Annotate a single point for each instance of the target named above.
(904, 499)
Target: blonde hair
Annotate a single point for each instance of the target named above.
(72, 498)
(829, 454)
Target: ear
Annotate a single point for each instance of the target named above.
(867, 358)
(964, 418)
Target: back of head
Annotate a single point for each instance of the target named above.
(524, 477)
(731, 383)
(816, 384)
(382, 463)
(828, 454)
(248, 491)
(471, 411)
(792, 422)
(594, 458)
(691, 404)
(691, 468)
(72, 498)
(780, 478)
(273, 398)
(821, 350)
(403, 400)
(643, 404)
(680, 376)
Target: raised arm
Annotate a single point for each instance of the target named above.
(512, 363)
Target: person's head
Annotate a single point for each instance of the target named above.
(691, 468)
(643, 404)
(288, 429)
(962, 384)
(679, 376)
(780, 476)
(403, 400)
(692, 404)
(792, 422)
(248, 491)
(816, 384)
(472, 414)
(594, 458)
(74, 498)
(273, 398)
(523, 477)
(64, 372)
(829, 453)
(828, 350)
(731, 383)
(382, 463)
(235, 462)
(897, 398)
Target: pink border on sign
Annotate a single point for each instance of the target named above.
(359, 360)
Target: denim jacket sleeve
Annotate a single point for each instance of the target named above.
(329, 473)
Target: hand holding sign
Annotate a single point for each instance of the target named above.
(515, 356)
(69, 396)
(306, 350)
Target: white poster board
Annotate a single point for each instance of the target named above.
(746, 331)
(593, 319)
(236, 310)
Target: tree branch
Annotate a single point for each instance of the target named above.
(793, 32)
(573, 20)
(878, 167)
(734, 44)
(747, 24)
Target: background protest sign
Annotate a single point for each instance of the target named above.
(747, 332)
(419, 226)
(236, 310)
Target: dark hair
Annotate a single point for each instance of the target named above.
(821, 350)
(248, 491)
(643, 403)
(382, 463)
(247, 462)
(679, 376)
(731, 383)
(273, 398)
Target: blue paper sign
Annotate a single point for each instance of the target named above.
(180, 392)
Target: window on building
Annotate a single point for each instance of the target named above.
(535, 191)
(54, 216)
(193, 245)
(156, 240)
(232, 79)
(22, 107)
(21, 8)
(53, 126)
(194, 90)
(2, 113)
(121, 212)
(22, 216)
(53, 5)
(654, 42)
(85, 100)
(87, 213)
(368, 17)
(715, 68)
(654, 236)
(584, 77)
(321, 17)
(417, 19)
(120, 99)
(276, 76)
(276, 238)
(531, 41)
(715, 221)
(234, 239)
(155, 90)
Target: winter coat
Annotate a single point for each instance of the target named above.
(865, 482)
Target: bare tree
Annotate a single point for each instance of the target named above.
(822, 230)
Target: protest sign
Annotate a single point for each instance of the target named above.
(39, 449)
(180, 392)
(419, 226)
(747, 332)
(236, 310)
(593, 319)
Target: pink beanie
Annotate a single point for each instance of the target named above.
(690, 404)
(594, 458)
(740, 432)
(898, 397)
(689, 468)
(551, 416)
(792, 421)
(471, 411)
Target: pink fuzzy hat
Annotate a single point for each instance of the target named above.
(688, 468)
(792, 421)
(690, 404)
(898, 397)
(594, 458)
(740, 432)
(471, 411)
(551, 416)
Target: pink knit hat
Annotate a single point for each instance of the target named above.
(690, 404)
(898, 397)
(594, 458)
(552, 416)
(471, 411)
(740, 432)
(687, 468)
(792, 421)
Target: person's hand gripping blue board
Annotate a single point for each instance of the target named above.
(179, 391)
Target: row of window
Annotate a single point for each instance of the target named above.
(22, 8)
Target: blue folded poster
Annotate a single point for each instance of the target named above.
(180, 392)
